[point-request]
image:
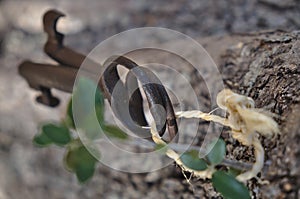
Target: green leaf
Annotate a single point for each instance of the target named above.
(90, 127)
(76, 155)
(228, 186)
(192, 160)
(88, 99)
(88, 103)
(99, 106)
(84, 172)
(69, 120)
(41, 140)
(58, 134)
(79, 161)
(218, 152)
(114, 131)
(85, 166)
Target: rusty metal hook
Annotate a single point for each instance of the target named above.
(153, 88)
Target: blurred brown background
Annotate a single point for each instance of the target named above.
(28, 172)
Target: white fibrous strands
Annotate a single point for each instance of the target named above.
(246, 124)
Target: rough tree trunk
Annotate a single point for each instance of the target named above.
(266, 67)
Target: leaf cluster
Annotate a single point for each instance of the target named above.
(224, 182)
(77, 158)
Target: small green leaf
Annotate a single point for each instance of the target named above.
(41, 140)
(90, 127)
(88, 103)
(77, 154)
(84, 172)
(69, 120)
(229, 187)
(99, 106)
(79, 161)
(71, 158)
(58, 134)
(114, 131)
(217, 153)
(88, 99)
(85, 166)
(192, 160)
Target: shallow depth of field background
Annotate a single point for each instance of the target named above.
(28, 172)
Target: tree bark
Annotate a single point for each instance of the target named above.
(266, 67)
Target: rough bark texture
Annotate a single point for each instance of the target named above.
(265, 66)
